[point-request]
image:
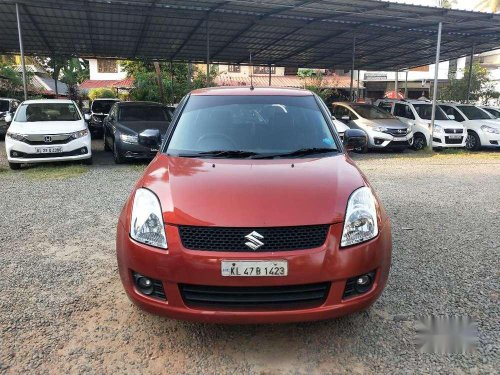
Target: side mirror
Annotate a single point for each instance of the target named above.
(345, 118)
(150, 138)
(8, 118)
(333, 117)
(87, 116)
(354, 138)
(451, 117)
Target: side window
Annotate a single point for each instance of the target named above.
(458, 116)
(352, 115)
(339, 111)
(403, 110)
(453, 112)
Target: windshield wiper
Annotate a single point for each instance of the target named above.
(220, 154)
(299, 152)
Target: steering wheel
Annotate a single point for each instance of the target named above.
(216, 137)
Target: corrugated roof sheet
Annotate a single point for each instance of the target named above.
(304, 33)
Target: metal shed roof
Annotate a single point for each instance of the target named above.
(315, 33)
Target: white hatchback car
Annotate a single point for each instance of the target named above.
(47, 130)
(482, 130)
(417, 114)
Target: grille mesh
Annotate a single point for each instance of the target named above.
(233, 239)
(260, 296)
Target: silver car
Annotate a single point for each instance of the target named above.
(382, 129)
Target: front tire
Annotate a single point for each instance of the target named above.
(116, 155)
(472, 143)
(419, 142)
(14, 166)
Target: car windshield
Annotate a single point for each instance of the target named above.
(34, 112)
(143, 113)
(473, 113)
(4, 105)
(425, 112)
(251, 126)
(371, 112)
(102, 106)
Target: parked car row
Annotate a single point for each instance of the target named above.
(56, 130)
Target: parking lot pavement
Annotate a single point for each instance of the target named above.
(62, 307)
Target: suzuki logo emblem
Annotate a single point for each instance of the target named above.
(48, 139)
(254, 240)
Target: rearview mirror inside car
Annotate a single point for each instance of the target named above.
(451, 117)
(345, 118)
(354, 138)
(150, 138)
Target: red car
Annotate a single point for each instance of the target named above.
(253, 212)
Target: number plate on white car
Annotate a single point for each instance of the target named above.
(254, 268)
(455, 136)
(400, 138)
(48, 150)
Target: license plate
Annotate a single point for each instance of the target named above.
(400, 138)
(254, 268)
(455, 136)
(48, 150)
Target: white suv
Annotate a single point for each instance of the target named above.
(482, 131)
(417, 114)
(46, 131)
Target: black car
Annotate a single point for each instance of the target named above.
(99, 109)
(7, 107)
(125, 123)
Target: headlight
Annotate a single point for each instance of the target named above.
(147, 222)
(16, 136)
(380, 129)
(80, 133)
(437, 129)
(489, 129)
(129, 138)
(360, 223)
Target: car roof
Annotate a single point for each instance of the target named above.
(35, 101)
(115, 99)
(246, 90)
(351, 103)
(11, 99)
(412, 101)
(122, 104)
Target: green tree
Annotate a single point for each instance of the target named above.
(75, 71)
(101, 93)
(313, 80)
(177, 80)
(11, 80)
(480, 87)
(53, 65)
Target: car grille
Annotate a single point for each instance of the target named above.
(233, 239)
(255, 296)
(454, 131)
(57, 139)
(453, 141)
(396, 132)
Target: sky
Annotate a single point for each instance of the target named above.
(460, 4)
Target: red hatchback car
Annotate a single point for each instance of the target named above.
(252, 212)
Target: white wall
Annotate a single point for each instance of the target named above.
(412, 75)
(95, 75)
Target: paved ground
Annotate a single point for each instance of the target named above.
(62, 308)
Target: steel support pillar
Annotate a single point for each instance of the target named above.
(435, 88)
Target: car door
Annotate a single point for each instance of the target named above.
(450, 111)
(110, 124)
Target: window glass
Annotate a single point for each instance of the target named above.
(425, 112)
(102, 106)
(403, 110)
(4, 105)
(385, 106)
(34, 112)
(107, 66)
(339, 111)
(473, 113)
(143, 113)
(494, 112)
(370, 112)
(233, 68)
(263, 70)
(260, 124)
(453, 112)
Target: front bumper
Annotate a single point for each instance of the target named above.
(448, 140)
(327, 263)
(379, 140)
(136, 151)
(489, 139)
(78, 149)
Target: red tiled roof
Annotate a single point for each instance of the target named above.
(113, 83)
(333, 81)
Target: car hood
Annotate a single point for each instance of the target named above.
(448, 124)
(140, 126)
(47, 127)
(390, 123)
(251, 193)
